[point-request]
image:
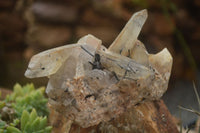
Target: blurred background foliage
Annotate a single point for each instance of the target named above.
(31, 26)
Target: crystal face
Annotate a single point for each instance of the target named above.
(89, 83)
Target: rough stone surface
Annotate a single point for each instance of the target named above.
(90, 84)
(147, 117)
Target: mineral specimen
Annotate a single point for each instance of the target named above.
(89, 83)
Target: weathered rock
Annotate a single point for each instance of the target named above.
(147, 117)
(90, 84)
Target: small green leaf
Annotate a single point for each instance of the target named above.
(43, 123)
(15, 122)
(2, 104)
(35, 124)
(48, 129)
(28, 88)
(11, 129)
(41, 131)
(2, 124)
(27, 128)
(33, 115)
(24, 119)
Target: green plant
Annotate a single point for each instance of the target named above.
(29, 123)
(24, 111)
(27, 98)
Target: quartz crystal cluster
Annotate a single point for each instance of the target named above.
(89, 83)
